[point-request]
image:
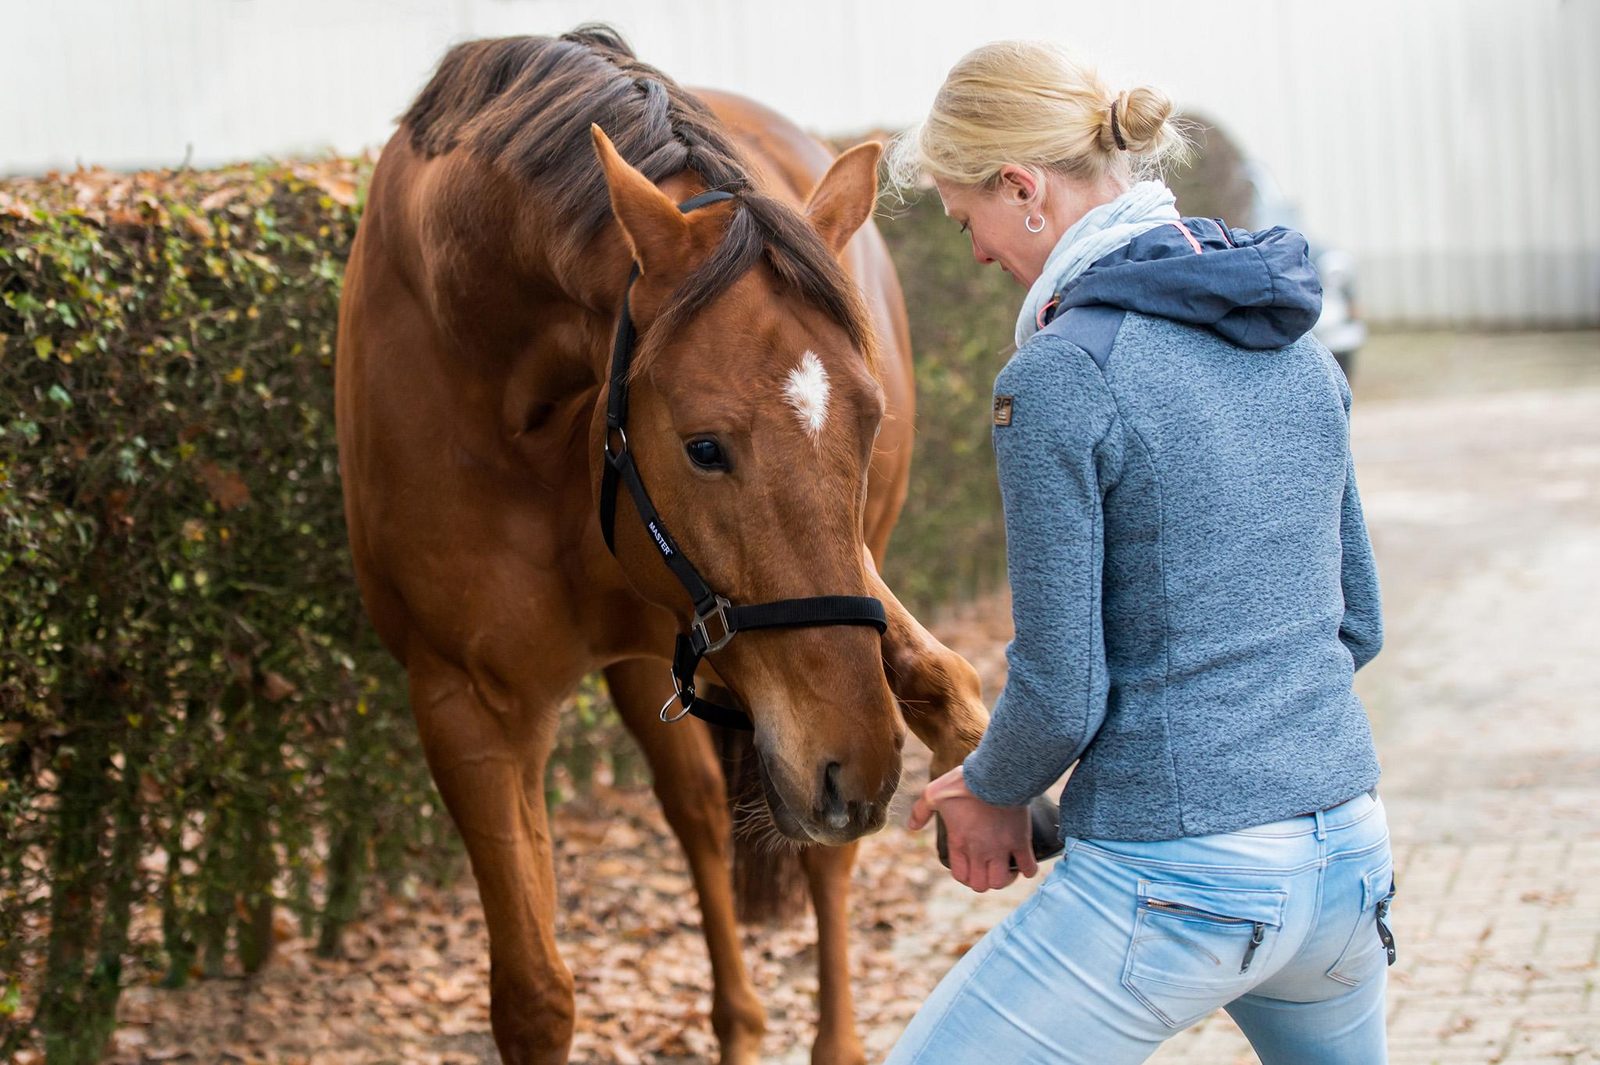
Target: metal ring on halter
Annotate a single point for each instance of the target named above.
(1027, 223)
(676, 697)
(606, 447)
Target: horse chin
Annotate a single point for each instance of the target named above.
(783, 819)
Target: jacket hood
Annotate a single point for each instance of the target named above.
(1257, 290)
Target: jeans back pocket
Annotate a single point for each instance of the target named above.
(1370, 945)
(1197, 947)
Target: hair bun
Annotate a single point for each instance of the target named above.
(1138, 118)
(1031, 104)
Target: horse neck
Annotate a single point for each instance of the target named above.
(516, 292)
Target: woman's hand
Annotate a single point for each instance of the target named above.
(983, 839)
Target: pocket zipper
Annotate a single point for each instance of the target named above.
(1257, 934)
(1258, 929)
(1384, 935)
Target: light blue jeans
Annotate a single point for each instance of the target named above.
(1125, 944)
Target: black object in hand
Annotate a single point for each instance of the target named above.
(1045, 817)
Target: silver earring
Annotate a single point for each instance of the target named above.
(1030, 227)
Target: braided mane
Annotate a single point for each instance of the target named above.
(526, 104)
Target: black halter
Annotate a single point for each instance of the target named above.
(716, 620)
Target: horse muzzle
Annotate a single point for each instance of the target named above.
(830, 816)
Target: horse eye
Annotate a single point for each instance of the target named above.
(706, 454)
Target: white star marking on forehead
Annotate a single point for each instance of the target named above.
(807, 392)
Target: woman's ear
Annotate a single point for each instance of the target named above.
(1018, 185)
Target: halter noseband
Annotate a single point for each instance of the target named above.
(716, 620)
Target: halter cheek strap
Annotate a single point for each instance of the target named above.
(716, 619)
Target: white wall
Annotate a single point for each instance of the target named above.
(1452, 145)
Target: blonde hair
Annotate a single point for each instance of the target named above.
(1031, 104)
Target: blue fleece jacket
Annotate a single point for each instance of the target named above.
(1192, 583)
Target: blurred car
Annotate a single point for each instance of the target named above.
(1340, 328)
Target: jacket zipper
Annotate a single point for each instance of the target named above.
(1258, 929)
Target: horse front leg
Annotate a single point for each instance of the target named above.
(480, 760)
(939, 692)
(687, 778)
(828, 877)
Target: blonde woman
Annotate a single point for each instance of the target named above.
(1193, 590)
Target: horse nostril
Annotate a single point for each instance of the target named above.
(835, 811)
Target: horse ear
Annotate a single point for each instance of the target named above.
(845, 196)
(656, 230)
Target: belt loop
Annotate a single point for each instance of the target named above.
(1322, 829)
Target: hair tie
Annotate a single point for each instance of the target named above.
(1116, 134)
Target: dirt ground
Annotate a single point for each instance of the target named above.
(1478, 458)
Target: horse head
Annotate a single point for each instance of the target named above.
(752, 415)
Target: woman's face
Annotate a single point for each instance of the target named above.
(994, 220)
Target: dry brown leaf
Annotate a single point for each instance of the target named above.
(226, 488)
(276, 687)
(220, 198)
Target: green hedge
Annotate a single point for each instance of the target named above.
(194, 714)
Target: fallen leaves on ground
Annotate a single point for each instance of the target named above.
(412, 984)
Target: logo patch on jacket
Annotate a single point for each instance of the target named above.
(1002, 410)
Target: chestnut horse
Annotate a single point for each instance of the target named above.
(479, 306)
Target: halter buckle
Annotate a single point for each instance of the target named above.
(719, 612)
